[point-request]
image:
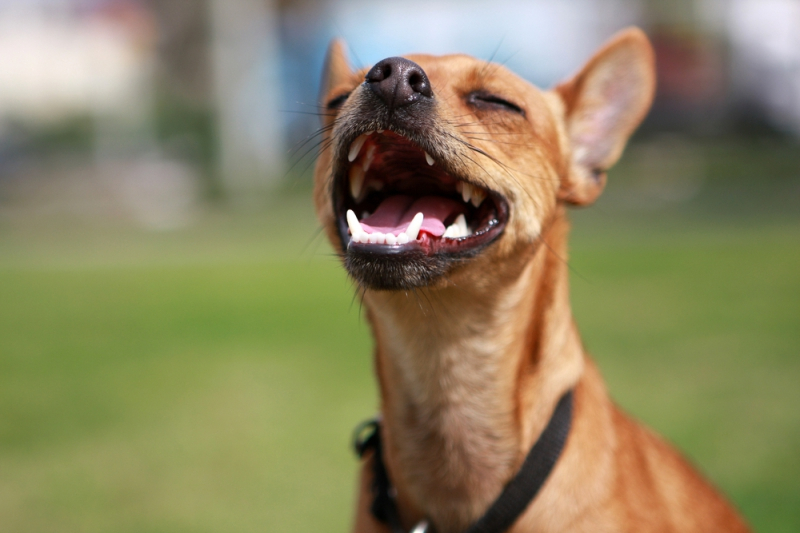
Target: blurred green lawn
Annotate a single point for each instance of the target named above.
(206, 380)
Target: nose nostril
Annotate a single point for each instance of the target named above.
(398, 81)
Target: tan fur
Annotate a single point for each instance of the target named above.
(470, 368)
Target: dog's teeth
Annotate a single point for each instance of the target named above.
(461, 222)
(429, 159)
(413, 229)
(355, 226)
(452, 232)
(356, 175)
(355, 148)
(466, 192)
(369, 157)
(364, 214)
(402, 238)
(457, 229)
(380, 130)
(391, 239)
(380, 238)
(478, 196)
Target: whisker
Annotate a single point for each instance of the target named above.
(491, 57)
(321, 146)
(494, 141)
(314, 239)
(309, 138)
(294, 111)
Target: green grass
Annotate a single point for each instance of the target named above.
(206, 380)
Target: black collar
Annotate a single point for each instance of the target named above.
(514, 498)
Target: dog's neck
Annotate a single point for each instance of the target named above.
(469, 376)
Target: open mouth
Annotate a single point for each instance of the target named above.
(393, 197)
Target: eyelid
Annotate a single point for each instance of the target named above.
(337, 101)
(484, 97)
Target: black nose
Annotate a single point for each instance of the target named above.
(399, 82)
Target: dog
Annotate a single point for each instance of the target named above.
(444, 183)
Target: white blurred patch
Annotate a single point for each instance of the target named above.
(765, 44)
(55, 66)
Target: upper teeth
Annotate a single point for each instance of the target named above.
(428, 158)
(359, 235)
(356, 175)
(471, 193)
(478, 196)
(355, 148)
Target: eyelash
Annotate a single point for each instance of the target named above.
(337, 102)
(481, 99)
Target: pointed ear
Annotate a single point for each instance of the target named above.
(336, 69)
(604, 103)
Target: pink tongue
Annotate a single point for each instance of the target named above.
(396, 212)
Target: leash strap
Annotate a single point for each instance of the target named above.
(516, 495)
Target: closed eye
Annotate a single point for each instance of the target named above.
(336, 103)
(489, 101)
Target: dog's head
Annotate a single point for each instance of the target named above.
(441, 167)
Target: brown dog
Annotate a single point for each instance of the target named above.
(445, 183)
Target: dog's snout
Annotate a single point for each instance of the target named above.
(399, 82)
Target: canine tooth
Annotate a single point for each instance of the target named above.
(428, 158)
(457, 229)
(356, 175)
(478, 196)
(413, 229)
(466, 192)
(452, 232)
(369, 157)
(461, 222)
(354, 224)
(402, 238)
(355, 148)
(391, 239)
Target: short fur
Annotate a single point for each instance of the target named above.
(471, 365)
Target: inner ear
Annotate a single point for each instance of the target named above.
(604, 103)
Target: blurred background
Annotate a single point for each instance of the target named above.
(181, 352)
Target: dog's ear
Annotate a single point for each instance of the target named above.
(604, 103)
(336, 71)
